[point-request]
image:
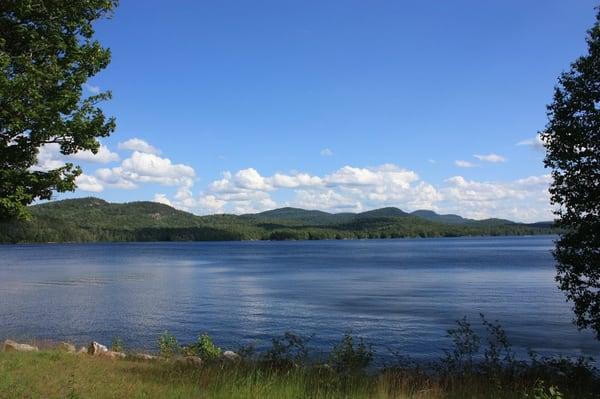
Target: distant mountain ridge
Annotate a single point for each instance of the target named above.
(94, 219)
(449, 218)
(290, 213)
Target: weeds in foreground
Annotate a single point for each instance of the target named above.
(289, 350)
(541, 392)
(349, 356)
(25, 375)
(72, 394)
(477, 366)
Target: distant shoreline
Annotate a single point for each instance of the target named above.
(275, 241)
(95, 220)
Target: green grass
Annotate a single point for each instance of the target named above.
(289, 369)
(53, 374)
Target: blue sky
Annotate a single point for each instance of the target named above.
(335, 105)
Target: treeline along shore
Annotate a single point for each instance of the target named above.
(95, 220)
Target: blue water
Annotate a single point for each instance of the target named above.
(398, 294)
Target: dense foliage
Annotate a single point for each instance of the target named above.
(93, 219)
(47, 53)
(204, 347)
(572, 139)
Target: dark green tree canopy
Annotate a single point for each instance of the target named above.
(572, 140)
(47, 52)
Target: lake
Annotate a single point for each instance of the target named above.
(399, 294)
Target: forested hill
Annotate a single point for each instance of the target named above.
(93, 219)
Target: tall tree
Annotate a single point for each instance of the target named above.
(572, 140)
(47, 53)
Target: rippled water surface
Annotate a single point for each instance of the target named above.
(399, 294)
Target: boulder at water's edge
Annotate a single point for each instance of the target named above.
(94, 348)
(12, 346)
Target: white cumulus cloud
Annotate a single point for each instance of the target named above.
(88, 183)
(143, 167)
(92, 89)
(211, 204)
(464, 164)
(49, 157)
(162, 199)
(280, 180)
(494, 158)
(347, 189)
(524, 199)
(250, 179)
(139, 145)
(536, 143)
(104, 155)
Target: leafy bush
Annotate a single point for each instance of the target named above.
(497, 363)
(117, 345)
(541, 392)
(466, 345)
(290, 350)
(247, 352)
(204, 347)
(580, 371)
(498, 354)
(348, 357)
(168, 345)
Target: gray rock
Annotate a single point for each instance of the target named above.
(94, 348)
(232, 356)
(82, 351)
(112, 354)
(145, 356)
(12, 346)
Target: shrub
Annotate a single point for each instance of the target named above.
(348, 357)
(168, 345)
(204, 347)
(541, 392)
(290, 350)
(579, 371)
(498, 354)
(117, 345)
(466, 346)
(247, 352)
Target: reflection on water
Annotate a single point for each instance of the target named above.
(399, 294)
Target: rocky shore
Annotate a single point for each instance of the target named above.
(98, 350)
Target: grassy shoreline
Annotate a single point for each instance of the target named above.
(475, 366)
(289, 370)
(54, 374)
